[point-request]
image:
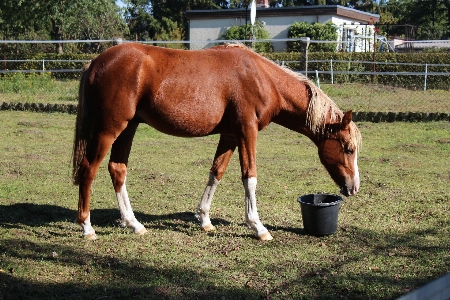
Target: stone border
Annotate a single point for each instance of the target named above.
(377, 117)
(39, 107)
(374, 117)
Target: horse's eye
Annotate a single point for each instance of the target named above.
(348, 149)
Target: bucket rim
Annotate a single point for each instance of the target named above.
(339, 199)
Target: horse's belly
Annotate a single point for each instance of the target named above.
(182, 120)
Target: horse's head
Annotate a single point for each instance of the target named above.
(338, 152)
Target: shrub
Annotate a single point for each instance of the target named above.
(315, 31)
(239, 32)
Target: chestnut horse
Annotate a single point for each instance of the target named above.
(228, 90)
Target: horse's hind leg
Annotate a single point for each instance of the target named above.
(225, 149)
(88, 169)
(118, 170)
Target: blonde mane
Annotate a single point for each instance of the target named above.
(320, 105)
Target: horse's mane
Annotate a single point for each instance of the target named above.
(320, 105)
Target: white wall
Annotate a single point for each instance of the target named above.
(277, 27)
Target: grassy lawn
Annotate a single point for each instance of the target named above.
(393, 237)
(37, 88)
(354, 96)
(366, 97)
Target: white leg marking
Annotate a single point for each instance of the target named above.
(251, 211)
(204, 206)
(88, 231)
(126, 212)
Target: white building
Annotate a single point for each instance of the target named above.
(355, 32)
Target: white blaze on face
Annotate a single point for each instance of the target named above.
(356, 180)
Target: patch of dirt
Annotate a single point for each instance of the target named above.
(34, 157)
(416, 146)
(33, 124)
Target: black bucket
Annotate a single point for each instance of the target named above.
(320, 213)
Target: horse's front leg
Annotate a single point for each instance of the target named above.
(225, 149)
(251, 211)
(247, 157)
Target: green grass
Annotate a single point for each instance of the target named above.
(393, 236)
(379, 98)
(36, 88)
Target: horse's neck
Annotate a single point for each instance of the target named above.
(294, 107)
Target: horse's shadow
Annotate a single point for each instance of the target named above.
(35, 215)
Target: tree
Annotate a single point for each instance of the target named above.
(144, 26)
(430, 17)
(163, 18)
(83, 19)
(61, 20)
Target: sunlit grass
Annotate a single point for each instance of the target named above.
(378, 98)
(37, 88)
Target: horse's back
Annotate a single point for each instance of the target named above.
(180, 92)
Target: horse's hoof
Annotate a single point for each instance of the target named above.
(90, 236)
(266, 236)
(209, 227)
(142, 231)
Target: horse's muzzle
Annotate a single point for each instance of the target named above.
(346, 191)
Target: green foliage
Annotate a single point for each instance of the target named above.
(155, 19)
(51, 62)
(19, 82)
(315, 31)
(244, 32)
(430, 19)
(38, 88)
(60, 20)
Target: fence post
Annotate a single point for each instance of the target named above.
(317, 79)
(305, 44)
(43, 64)
(374, 76)
(332, 77)
(426, 73)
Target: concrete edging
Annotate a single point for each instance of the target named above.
(39, 107)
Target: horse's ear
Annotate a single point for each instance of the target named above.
(346, 119)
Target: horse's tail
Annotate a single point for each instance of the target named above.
(82, 128)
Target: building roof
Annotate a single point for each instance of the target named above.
(262, 12)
